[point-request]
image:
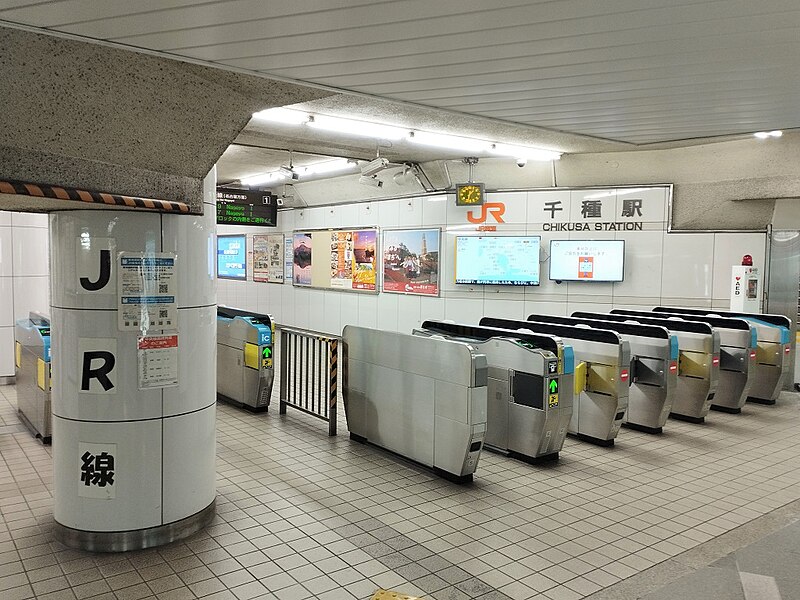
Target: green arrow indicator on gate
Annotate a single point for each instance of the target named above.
(266, 352)
(553, 386)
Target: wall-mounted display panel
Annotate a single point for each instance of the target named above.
(340, 259)
(497, 260)
(246, 207)
(411, 261)
(587, 260)
(232, 257)
(268, 261)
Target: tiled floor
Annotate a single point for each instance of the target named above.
(301, 515)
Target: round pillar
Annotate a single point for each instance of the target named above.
(133, 399)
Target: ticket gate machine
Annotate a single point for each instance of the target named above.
(530, 387)
(245, 371)
(601, 376)
(698, 362)
(737, 359)
(773, 354)
(654, 369)
(32, 355)
(422, 398)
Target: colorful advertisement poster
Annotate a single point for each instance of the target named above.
(411, 261)
(342, 259)
(364, 260)
(301, 260)
(268, 258)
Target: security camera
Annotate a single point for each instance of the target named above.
(521, 162)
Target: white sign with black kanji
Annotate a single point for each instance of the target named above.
(97, 474)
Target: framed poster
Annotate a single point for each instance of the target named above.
(339, 259)
(232, 257)
(301, 259)
(411, 261)
(268, 258)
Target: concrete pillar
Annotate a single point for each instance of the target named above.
(133, 449)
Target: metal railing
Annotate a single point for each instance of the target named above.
(309, 369)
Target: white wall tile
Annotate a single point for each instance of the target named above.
(349, 310)
(19, 219)
(7, 366)
(434, 210)
(387, 307)
(31, 294)
(5, 218)
(462, 310)
(332, 311)
(431, 309)
(409, 312)
(6, 252)
(368, 310)
(6, 301)
(643, 256)
(544, 308)
(504, 309)
(687, 265)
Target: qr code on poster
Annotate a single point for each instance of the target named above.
(163, 288)
(163, 314)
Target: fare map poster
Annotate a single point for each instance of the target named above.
(411, 261)
(341, 259)
(268, 258)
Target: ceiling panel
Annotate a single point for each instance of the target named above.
(636, 71)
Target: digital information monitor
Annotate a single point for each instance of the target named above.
(497, 260)
(232, 257)
(246, 207)
(587, 260)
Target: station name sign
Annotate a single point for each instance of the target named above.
(246, 207)
(596, 226)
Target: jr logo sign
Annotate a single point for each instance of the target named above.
(496, 209)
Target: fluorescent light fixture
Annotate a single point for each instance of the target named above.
(329, 166)
(452, 142)
(762, 135)
(287, 116)
(370, 181)
(263, 178)
(527, 152)
(357, 128)
(776, 133)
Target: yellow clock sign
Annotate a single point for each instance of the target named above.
(469, 194)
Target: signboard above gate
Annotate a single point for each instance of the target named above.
(246, 207)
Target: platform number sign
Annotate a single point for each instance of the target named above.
(552, 393)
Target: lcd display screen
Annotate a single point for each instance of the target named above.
(587, 260)
(497, 260)
(232, 257)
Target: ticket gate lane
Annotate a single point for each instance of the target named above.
(737, 359)
(529, 387)
(773, 352)
(654, 369)
(600, 379)
(32, 359)
(421, 398)
(698, 363)
(245, 368)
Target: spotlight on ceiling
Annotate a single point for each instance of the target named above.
(372, 181)
(374, 167)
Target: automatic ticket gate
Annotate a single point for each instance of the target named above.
(698, 362)
(654, 369)
(32, 355)
(530, 387)
(737, 359)
(601, 376)
(773, 353)
(245, 370)
(423, 398)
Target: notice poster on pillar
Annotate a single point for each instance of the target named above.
(97, 477)
(411, 261)
(268, 258)
(339, 259)
(146, 284)
(157, 361)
